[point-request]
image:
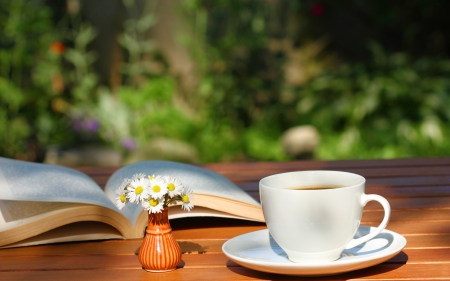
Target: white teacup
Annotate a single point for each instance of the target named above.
(316, 225)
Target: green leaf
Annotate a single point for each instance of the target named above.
(144, 23)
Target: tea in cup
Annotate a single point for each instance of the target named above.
(314, 215)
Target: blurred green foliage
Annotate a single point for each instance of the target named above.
(392, 106)
(262, 68)
(27, 67)
(241, 77)
(375, 99)
(154, 113)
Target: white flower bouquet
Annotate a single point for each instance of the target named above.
(153, 192)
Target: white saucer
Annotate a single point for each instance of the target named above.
(257, 250)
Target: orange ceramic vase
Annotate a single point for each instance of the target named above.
(159, 251)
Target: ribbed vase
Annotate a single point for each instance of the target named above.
(159, 251)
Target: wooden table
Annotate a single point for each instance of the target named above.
(417, 189)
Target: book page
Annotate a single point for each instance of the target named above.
(175, 212)
(80, 231)
(21, 220)
(27, 181)
(16, 211)
(202, 181)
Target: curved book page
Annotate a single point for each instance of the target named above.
(204, 183)
(28, 181)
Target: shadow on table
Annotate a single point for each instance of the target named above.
(189, 248)
(186, 248)
(209, 222)
(378, 270)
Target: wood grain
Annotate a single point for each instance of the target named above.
(384, 271)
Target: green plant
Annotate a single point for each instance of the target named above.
(391, 107)
(130, 115)
(137, 45)
(240, 55)
(263, 67)
(241, 76)
(154, 112)
(27, 71)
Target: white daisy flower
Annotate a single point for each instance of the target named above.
(121, 194)
(186, 198)
(157, 188)
(153, 205)
(153, 192)
(174, 186)
(138, 189)
(138, 176)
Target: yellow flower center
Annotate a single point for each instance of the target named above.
(152, 177)
(153, 202)
(156, 188)
(122, 198)
(171, 187)
(139, 190)
(185, 199)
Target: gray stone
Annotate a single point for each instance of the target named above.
(301, 141)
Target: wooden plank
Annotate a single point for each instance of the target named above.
(255, 171)
(381, 176)
(415, 186)
(428, 241)
(67, 262)
(379, 272)
(197, 246)
(418, 228)
(413, 203)
(217, 259)
(370, 173)
(391, 192)
(422, 256)
(306, 164)
(339, 164)
(403, 228)
(411, 180)
(187, 230)
(211, 239)
(109, 247)
(408, 215)
(409, 191)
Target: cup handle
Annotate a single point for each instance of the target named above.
(387, 213)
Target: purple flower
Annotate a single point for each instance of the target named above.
(85, 125)
(128, 143)
(91, 125)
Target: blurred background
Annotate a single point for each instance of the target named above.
(110, 82)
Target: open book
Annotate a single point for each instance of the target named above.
(41, 203)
